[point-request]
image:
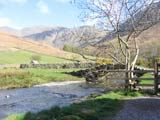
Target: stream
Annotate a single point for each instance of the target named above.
(42, 97)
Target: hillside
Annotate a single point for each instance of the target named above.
(10, 43)
(148, 35)
(59, 36)
(24, 57)
(148, 42)
(144, 19)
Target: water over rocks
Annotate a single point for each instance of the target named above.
(43, 97)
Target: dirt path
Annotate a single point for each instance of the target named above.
(42, 97)
(146, 108)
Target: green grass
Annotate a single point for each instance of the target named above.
(147, 81)
(15, 117)
(18, 78)
(100, 108)
(25, 57)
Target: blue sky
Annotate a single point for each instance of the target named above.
(25, 13)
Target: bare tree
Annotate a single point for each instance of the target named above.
(123, 20)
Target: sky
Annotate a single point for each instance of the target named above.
(26, 13)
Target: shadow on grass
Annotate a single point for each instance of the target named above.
(94, 109)
(102, 109)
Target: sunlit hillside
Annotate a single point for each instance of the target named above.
(10, 43)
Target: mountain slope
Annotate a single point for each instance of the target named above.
(143, 20)
(59, 36)
(78, 37)
(148, 42)
(10, 43)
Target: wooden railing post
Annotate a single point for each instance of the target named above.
(156, 77)
(126, 80)
(126, 77)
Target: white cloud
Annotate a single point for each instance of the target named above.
(5, 22)
(43, 7)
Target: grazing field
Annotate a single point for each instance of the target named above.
(147, 81)
(94, 108)
(19, 78)
(18, 57)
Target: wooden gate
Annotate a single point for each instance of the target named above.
(157, 77)
(154, 72)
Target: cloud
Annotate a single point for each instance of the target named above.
(5, 22)
(43, 7)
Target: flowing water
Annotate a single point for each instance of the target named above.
(42, 97)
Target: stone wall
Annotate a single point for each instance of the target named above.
(6, 66)
(58, 65)
(115, 80)
(100, 76)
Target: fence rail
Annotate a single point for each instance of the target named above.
(155, 79)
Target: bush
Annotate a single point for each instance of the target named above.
(143, 62)
(36, 57)
(103, 61)
(74, 49)
(71, 48)
(158, 59)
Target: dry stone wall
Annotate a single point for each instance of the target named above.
(100, 76)
(58, 65)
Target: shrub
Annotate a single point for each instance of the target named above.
(36, 57)
(103, 61)
(143, 62)
(158, 59)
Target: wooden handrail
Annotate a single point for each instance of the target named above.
(131, 78)
(149, 85)
(135, 71)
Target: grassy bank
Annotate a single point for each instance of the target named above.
(19, 78)
(100, 108)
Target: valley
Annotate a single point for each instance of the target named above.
(53, 67)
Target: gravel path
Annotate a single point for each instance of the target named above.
(42, 97)
(146, 108)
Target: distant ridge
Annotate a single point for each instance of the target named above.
(59, 36)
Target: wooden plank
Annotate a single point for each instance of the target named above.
(130, 78)
(148, 85)
(135, 71)
(156, 77)
(142, 78)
